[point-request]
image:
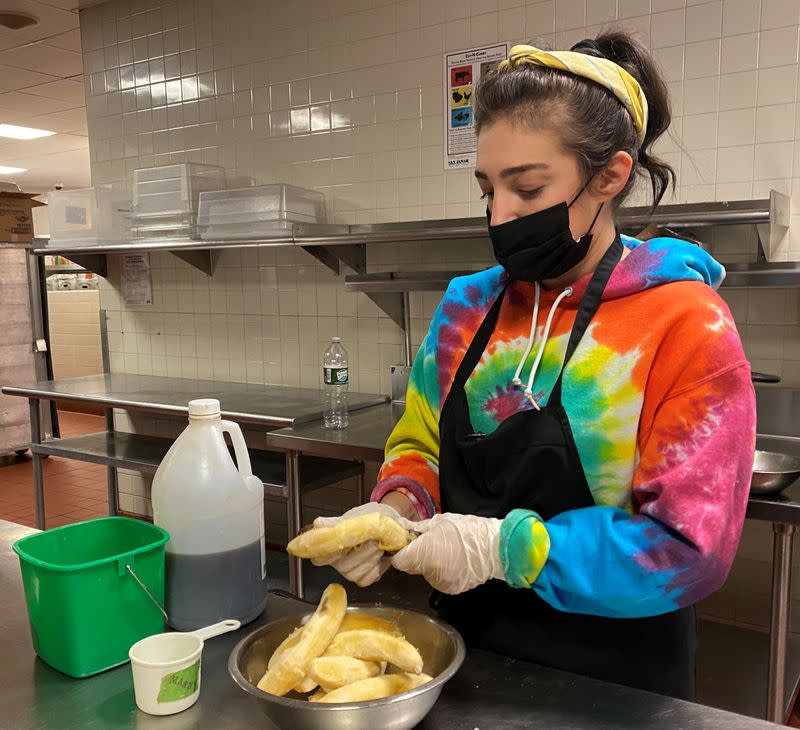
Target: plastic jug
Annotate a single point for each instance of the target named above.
(214, 513)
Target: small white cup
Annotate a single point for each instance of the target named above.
(166, 668)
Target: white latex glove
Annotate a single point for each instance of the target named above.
(365, 564)
(454, 552)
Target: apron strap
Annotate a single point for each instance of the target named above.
(479, 342)
(590, 303)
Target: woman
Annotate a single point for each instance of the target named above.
(580, 423)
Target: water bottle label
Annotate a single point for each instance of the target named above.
(336, 376)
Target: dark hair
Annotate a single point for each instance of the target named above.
(590, 121)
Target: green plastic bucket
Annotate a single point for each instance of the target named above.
(85, 608)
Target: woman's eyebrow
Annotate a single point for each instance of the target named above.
(516, 170)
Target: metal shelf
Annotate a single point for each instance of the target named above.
(145, 453)
(763, 275)
(64, 269)
(335, 245)
(402, 281)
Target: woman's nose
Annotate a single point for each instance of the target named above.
(501, 212)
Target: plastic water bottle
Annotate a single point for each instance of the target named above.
(336, 379)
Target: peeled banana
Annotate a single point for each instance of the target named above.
(315, 636)
(343, 656)
(319, 542)
(375, 688)
(332, 672)
(307, 685)
(376, 646)
(284, 646)
(318, 695)
(357, 620)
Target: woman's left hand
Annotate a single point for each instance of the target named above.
(453, 552)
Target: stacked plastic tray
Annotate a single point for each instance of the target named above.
(257, 212)
(165, 199)
(86, 216)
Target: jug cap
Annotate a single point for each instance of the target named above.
(204, 407)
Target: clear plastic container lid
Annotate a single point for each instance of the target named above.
(277, 202)
(173, 189)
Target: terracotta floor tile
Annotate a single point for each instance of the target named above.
(74, 490)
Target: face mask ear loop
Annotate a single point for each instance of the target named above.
(580, 192)
(594, 220)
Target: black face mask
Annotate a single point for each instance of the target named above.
(540, 245)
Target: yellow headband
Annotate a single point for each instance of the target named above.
(600, 70)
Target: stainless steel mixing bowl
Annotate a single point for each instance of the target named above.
(773, 472)
(440, 645)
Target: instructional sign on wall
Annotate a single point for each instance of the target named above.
(461, 73)
(137, 282)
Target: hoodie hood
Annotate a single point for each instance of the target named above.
(655, 262)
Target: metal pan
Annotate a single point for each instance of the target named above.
(773, 472)
(440, 645)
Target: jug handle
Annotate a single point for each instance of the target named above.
(239, 447)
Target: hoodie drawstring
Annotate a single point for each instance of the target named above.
(516, 381)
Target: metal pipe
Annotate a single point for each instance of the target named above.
(36, 460)
(111, 471)
(779, 620)
(406, 329)
(361, 486)
(294, 517)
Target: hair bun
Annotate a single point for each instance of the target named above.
(588, 44)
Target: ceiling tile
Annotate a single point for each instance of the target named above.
(69, 41)
(68, 168)
(71, 5)
(44, 59)
(44, 146)
(63, 90)
(19, 103)
(71, 120)
(13, 79)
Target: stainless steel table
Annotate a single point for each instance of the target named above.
(363, 439)
(489, 692)
(783, 511)
(267, 406)
(274, 406)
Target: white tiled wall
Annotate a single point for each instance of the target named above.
(75, 332)
(346, 96)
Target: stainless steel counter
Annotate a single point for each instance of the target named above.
(490, 691)
(363, 439)
(261, 405)
(266, 406)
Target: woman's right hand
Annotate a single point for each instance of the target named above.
(365, 564)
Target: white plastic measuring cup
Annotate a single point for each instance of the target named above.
(166, 668)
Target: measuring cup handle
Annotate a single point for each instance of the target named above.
(223, 627)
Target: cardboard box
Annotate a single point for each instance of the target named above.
(16, 218)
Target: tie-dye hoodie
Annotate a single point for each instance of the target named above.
(661, 405)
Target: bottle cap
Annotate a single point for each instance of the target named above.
(204, 407)
(336, 339)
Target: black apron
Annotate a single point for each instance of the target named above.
(530, 461)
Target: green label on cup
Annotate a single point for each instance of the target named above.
(179, 685)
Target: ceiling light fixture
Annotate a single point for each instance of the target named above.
(11, 170)
(14, 132)
(16, 21)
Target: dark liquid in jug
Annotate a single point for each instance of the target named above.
(204, 589)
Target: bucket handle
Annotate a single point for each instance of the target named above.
(147, 591)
